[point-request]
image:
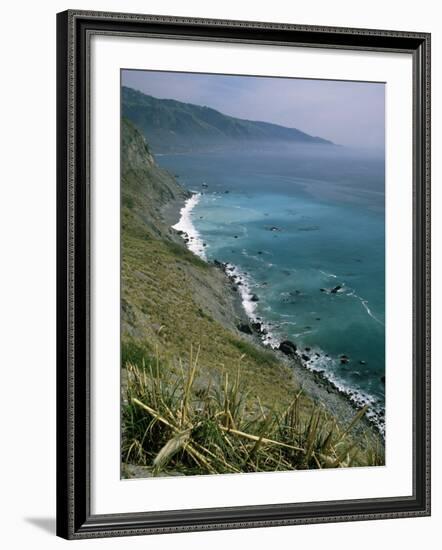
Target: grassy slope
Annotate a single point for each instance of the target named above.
(173, 302)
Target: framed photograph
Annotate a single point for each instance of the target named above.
(243, 274)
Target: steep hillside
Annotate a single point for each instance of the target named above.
(146, 188)
(172, 300)
(172, 125)
(177, 312)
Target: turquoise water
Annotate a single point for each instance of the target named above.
(294, 221)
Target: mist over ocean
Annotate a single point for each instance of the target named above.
(304, 225)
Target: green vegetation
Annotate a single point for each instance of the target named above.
(165, 286)
(171, 302)
(173, 423)
(173, 125)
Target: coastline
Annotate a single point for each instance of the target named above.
(322, 390)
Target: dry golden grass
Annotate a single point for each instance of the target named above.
(171, 424)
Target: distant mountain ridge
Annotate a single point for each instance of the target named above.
(171, 125)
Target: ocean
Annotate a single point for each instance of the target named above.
(302, 230)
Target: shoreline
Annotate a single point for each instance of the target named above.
(185, 228)
(320, 388)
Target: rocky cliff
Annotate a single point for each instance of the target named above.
(173, 304)
(172, 300)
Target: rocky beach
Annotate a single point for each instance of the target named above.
(252, 327)
(191, 329)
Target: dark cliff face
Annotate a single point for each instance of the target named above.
(154, 256)
(171, 125)
(145, 187)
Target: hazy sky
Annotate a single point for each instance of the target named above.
(348, 113)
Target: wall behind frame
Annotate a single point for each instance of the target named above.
(27, 223)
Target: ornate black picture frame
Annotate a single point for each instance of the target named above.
(74, 518)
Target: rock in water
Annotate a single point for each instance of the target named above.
(287, 347)
(254, 298)
(244, 327)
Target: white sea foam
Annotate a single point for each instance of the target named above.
(328, 274)
(185, 224)
(244, 289)
(353, 294)
(324, 365)
(365, 306)
(250, 305)
(368, 310)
